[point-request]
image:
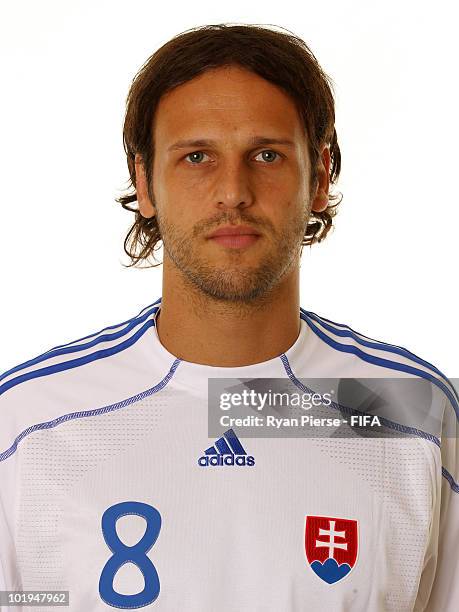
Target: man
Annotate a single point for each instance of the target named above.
(112, 488)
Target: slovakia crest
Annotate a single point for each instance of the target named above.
(331, 546)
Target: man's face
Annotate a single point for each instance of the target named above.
(231, 179)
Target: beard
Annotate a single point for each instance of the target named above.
(233, 280)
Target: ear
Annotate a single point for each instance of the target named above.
(146, 206)
(320, 197)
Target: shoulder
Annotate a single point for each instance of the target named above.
(84, 377)
(431, 415)
(73, 355)
(356, 352)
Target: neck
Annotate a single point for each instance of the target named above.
(200, 329)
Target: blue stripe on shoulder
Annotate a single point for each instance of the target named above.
(107, 328)
(385, 363)
(74, 363)
(71, 347)
(382, 346)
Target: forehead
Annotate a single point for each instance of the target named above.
(229, 98)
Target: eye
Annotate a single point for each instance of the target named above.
(270, 153)
(195, 157)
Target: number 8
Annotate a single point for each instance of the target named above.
(136, 554)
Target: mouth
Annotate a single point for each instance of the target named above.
(235, 236)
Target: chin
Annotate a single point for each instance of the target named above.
(229, 287)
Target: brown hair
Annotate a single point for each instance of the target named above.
(281, 58)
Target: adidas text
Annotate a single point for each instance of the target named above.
(211, 460)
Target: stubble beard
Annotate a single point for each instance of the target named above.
(234, 281)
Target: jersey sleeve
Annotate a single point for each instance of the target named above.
(443, 562)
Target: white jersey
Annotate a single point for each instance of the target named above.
(112, 490)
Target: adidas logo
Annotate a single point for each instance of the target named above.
(227, 450)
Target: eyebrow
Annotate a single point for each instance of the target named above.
(255, 141)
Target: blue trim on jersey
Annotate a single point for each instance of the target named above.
(391, 424)
(450, 479)
(405, 429)
(89, 413)
(384, 363)
(382, 346)
(66, 348)
(106, 328)
(74, 363)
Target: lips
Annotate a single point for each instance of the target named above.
(234, 230)
(235, 236)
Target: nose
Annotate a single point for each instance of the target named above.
(232, 186)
